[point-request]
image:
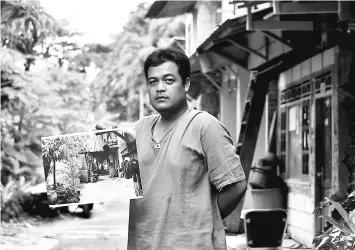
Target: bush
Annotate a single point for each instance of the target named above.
(67, 195)
(13, 195)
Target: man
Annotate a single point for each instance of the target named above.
(123, 168)
(190, 173)
(133, 167)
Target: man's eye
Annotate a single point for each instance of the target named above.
(152, 82)
(169, 81)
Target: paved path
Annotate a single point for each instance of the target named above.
(106, 189)
(107, 228)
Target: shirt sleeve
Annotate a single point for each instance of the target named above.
(223, 163)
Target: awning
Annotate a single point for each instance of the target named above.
(160, 9)
(229, 42)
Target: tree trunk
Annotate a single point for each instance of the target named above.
(54, 182)
(47, 166)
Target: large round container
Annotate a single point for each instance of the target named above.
(266, 198)
(261, 177)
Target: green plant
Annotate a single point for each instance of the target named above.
(341, 234)
(67, 195)
(13, 194)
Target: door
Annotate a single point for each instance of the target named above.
(323, 150)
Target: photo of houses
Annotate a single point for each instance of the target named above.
(80, 168)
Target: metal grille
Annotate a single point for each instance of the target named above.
(296, 92)
(321, 84)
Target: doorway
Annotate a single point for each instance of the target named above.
(323, 154)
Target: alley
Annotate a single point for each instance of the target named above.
(105, 189)
(107, 228)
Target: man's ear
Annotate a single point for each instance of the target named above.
(187, 84)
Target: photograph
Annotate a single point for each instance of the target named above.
(174, 124)
(90, 167)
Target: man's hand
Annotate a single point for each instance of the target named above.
(128, 132)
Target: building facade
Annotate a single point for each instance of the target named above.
(304, 52)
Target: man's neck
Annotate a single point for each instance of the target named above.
(171, 117)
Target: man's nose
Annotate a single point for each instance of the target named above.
(161, 86)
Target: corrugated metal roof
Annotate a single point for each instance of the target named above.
(160, 9)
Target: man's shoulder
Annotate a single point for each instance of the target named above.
(209, 123)
(145, 120)
(204, 119)
(148, 118)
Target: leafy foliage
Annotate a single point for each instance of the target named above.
(40, 96)
(39, 100)
(118, 84)
(67, 195)
(340, 234)
(64, 149)
(13, 194)
(25, 24)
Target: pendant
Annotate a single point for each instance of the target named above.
(157, 146)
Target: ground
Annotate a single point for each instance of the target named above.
(105, 189)
(107, 228)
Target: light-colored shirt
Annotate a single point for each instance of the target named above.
(181, 177)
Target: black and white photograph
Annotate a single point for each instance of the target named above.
(187, 125)
(86, 168)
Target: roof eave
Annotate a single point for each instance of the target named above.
(162, 9)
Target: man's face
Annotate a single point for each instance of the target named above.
(166, 89)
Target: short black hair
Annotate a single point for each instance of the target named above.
(175, 55)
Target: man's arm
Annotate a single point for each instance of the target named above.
(230, 196)
(225, 170)
(128, 132)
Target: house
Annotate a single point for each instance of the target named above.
(219, 82)
(103, 146)
(283, 63)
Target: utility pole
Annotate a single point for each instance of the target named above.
(141, 102)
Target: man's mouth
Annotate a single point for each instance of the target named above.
(161, 98)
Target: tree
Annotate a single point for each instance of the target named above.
(37, 103)
(64, 149)
(118, 84)
(53, 151)
(24, 25)
(90, 54)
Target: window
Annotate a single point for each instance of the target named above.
(282, 140)
(305, 137)
(294, 130)
(294, 145)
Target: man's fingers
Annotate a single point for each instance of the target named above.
(100, 127)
